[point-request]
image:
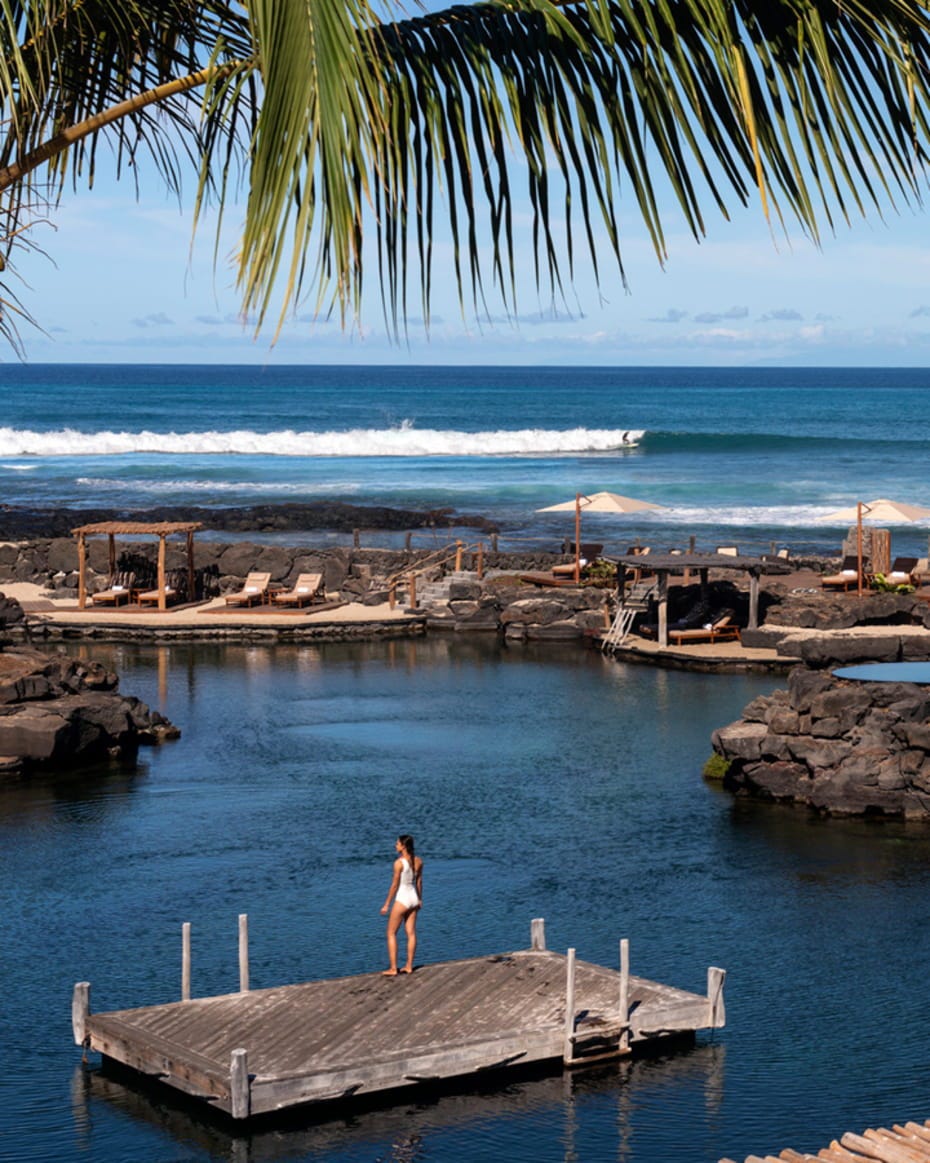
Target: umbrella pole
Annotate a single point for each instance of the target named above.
(859, 544)
(577, 538)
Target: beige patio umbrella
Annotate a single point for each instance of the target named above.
(602, 502)
(881, 510)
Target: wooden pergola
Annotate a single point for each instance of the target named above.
(665, 564)
(113, 529)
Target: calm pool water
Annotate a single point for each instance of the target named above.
(550, 784)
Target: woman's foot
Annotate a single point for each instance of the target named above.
(408, 970)
(388, 972)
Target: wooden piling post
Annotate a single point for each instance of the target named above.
(407, 540)
(624, 1044)
(186, 961)
(538, 934)
(479, 566)
(494, 543)
(356, 538)
(568, 1046)
(80, 1011)
(412, 596)
(239, 1097)
(458, 556)
(243, 953)
(392, 596)
(716, 1010)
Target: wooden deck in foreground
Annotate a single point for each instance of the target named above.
(261, 1051)
(909, 1143)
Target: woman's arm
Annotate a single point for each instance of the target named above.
(419, 879)
(395, 884)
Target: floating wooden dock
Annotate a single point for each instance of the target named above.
(260, 1051)
(909, 1143)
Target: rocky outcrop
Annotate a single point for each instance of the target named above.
(821, 610)
(836, 746)
(59, 711)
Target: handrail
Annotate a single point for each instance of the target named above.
(411, 573)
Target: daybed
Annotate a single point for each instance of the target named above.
(119, 589)
(175, 585)
(721, 629)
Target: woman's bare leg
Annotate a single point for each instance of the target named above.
(410, 924)
(394, 923)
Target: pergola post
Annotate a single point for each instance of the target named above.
(111, 557)
(663, 608)
(82, 571)
(753, 600)
(162, 605)
(190, 565)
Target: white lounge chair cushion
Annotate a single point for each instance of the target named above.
(848, 572)
(303, 589)
(899, 573)
(251, 589)
(708, 625)
(118, 589)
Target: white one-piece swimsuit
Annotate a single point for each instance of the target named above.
(407, 893)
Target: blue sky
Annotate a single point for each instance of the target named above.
(122, 284)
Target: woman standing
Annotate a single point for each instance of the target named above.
(407, 892)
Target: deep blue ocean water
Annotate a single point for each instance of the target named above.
(736, 455)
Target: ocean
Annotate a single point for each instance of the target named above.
(745, 456)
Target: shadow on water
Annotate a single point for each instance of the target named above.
(821, 849)
(404, 1129)
(66, 795)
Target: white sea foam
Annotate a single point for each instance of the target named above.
(20, 467)
(404, 440)
(206, 486)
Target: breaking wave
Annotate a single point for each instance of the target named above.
(403, 440)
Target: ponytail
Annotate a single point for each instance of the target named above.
(407, 842)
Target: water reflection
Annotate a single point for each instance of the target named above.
(607, 1107)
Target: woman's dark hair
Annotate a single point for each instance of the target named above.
(407, 842)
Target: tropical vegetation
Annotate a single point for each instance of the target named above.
(357, 134)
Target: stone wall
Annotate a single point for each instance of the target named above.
(53, 563)
(521, 611)
(836, 746)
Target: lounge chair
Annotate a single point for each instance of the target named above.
(175, 587)
(903, 572)
(847, 578)
(253, 592)
(587, 554)
(727, 550)
(307, 589)
(119, 589)
(719, 629)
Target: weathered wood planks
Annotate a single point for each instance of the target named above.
(259, 1051)
(909, 1143)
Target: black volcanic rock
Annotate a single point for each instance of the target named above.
(21, 524)
(839, 747)
(58, 711)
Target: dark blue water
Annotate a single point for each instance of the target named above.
(537, 784)
(745, 455)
